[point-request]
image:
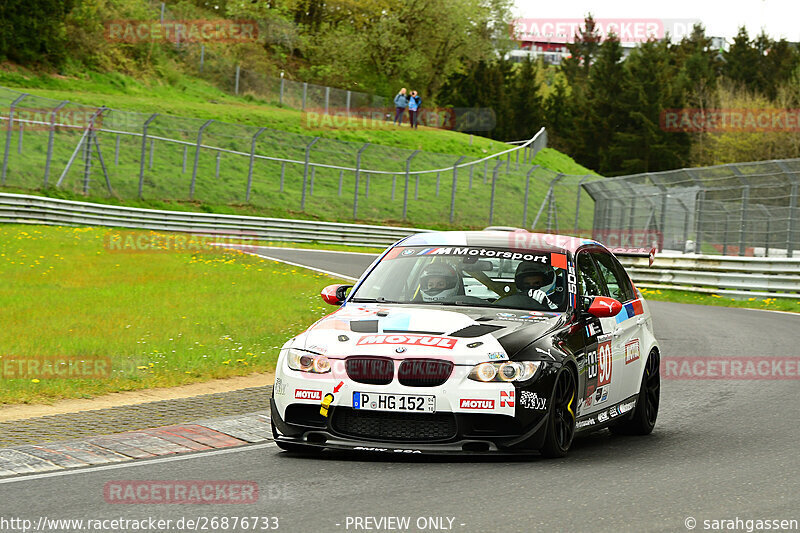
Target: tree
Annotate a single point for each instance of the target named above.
(601, 115)
(527, 101)
(32, 31)
(651, 86)
(742, 61)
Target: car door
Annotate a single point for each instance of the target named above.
(626, 332)
(599, 366)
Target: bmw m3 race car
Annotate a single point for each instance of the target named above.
(472, 342)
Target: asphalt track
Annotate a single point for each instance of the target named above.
(721, 450)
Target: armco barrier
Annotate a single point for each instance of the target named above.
(723, 275)
(26, 209)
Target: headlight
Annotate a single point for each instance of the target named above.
(505, 371)
(307, 361)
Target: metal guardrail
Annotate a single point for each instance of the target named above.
(723, 275)
(25, 209)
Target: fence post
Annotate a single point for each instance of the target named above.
(152, 149)
(527, 191)
(494, 184)
(348, 103)
(517, 163)
(341, 181)
(405, 192)
(485, 171)
(116, 152)
(283, 173)
(327, 98)
(51, 138)
(453, 191)
(743, 209)
(87, 154)
(508, 162)
(280, 98)
(185, 154)
(305, 92)
(790, 229)
(8, 134)
(197, 157)
(102, 164)
(698, 218)
(305, 173)
(19, 139)
(252, 162)
(144, 149)
(358, 172)
(236, 88)
(577, 201)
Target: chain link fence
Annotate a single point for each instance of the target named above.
(107, 153)
(743, 209)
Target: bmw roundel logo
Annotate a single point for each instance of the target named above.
(400, 349)
(407, 251)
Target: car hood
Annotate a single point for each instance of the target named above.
(465, 335)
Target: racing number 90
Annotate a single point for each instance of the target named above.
(604, 363)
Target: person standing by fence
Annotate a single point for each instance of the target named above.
(400, 104)
(414, 102)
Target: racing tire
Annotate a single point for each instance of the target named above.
(644, 416)
(561, 422)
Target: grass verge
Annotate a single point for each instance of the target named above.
(685, 297)
(162, 318)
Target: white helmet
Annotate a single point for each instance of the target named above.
(438, 282)
(535, 276)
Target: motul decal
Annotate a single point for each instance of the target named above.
(507, 398)
(302, 394)
(417, 340)
(476, 404)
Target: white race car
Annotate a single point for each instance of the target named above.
(472, 342)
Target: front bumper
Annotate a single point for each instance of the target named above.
(406, 433)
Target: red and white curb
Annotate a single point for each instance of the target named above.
(142, 444)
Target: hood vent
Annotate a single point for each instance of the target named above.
(475, 330)
(364, 326)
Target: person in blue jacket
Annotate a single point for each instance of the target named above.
(414, 102)
(400, 104)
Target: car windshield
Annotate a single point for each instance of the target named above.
(469, 275)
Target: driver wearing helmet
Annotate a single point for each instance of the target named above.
(535, 282)
(438, 282)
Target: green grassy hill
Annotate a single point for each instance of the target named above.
(167, 180)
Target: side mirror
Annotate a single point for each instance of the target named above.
(335, 294)
(603, 306)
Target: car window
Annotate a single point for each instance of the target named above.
(469, 275)
(617, 281)
(589, 279)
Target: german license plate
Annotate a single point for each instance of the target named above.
(375, 401)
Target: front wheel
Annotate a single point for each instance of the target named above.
(561, 423)
(643, 419)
